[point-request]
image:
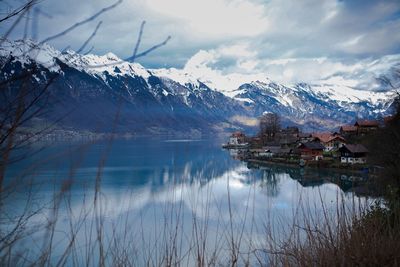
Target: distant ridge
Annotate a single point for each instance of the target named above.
(91, 89)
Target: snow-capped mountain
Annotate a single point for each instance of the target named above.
(93, 92)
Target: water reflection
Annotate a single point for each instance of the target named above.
(147, 171)
(346, 181)
(156, 185)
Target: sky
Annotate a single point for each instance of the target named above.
(289, 41)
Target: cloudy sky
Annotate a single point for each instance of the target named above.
(289, 40)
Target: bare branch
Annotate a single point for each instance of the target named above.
(19, 10)
(130, 59)
(80, 23)
(90, 37)
(138, 41)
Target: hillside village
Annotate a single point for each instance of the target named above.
(339, 149)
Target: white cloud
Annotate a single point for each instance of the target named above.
(242, 33)
(213, 18)
(359, 74)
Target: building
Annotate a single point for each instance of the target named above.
(387, 120)
(304, 137)
(288, 141)
(366, 126)
(352, 154)
(311, 150)
(348, 130)
(237, 138)
(329, 141)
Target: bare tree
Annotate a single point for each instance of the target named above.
(20, 100)
(269, 126)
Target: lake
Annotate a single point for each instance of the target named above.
(158, 202)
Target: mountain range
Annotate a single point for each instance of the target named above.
(106, 94)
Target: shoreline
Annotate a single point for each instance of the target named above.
(309, 167)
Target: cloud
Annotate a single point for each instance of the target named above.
(241, 36)
(246, 67)
(213, 18)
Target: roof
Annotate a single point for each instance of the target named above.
(304, 135)
(348, 128)
(238, 134)
(367, 123)
(327, 137)
(356, 148)
(313, 145)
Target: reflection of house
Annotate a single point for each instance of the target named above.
(353, 154)
(366, 126)
(237, 138)
(311, 150)
(348, 130)
(329, 141)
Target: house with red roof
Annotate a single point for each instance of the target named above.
(311, 150)
(329, 141)
(237, 138)
(348, 130)
(366, 126)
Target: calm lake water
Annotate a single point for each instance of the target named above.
(155, 196)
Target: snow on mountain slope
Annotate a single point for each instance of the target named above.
(224, 83)
(109, 62)
(205, 91)
(44, 54)
(26, 50)
(229, 84)
(347, 94)
(191, 74)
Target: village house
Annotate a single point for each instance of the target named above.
(237, 138)
(366, 126)
(348, 130)
(387, 120)
(277, 151)
(255, 141)
(304, 137)
(311, 150)
(329, 141)
(352, 154)
(288, 141)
